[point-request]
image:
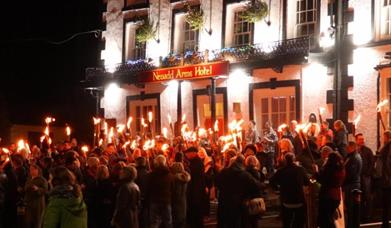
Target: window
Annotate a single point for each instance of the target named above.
(386, 18)
(139, 50)
(242, 30)
(190, 39)
(139, 109)
(306, 17)
(135, 2)
(277, 106)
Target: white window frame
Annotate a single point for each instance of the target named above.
(306, 12)
(239, 22)
(190, 44)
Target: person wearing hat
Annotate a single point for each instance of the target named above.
(196, 194)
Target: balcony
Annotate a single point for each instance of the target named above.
(258, 55)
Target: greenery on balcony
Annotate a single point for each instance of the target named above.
(255, 11)
(194, 17)
(146, 31)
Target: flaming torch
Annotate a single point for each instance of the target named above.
(355, 124)
(150, 118)
(68, 132)
(97, 122)
(379, 109)
(129, 125)
(300, 130)
(321, 110)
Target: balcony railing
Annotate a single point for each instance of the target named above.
(257, 52)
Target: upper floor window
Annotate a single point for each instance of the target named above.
(386, 18)
(140, 49)
(190, 39)
(242, 30)
(306, 17)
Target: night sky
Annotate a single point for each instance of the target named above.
(38, 78)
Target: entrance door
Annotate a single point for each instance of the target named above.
(139, 109)
(275, 105)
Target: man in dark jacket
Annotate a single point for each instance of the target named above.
(141, 181)
(352, 185)
(368, 160)
(235, 186)
(196, 193)
(291, 178)
(385, 158)
(158, 192)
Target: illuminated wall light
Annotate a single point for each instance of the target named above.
(326, 41)
(361, 26)
(112, 94)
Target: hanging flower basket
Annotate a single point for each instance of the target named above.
(146, 31)
(195, 17)
(256, 10)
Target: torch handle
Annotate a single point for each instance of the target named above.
(381, 120)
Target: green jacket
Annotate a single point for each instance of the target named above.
(65, 213)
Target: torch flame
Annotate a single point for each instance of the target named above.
(68, 131)
(111, 135)
(321, 110)
(357, 120)
(42, 138)
(49, 120)
(134, 144)
(165, 132)
(381, 104)
(201, 132)
(165, 147)
(281, 127)
(169, 119)
(184, 118)
(143, 122)
(120, 128)
(21, 145)
(96, 120)
(106, 128)
(126, 144)
(216, 126)
(46, 131)
(84, 148)
(5, 150)
(128, 124)
(149, 144)
(300, 127)
(100, 142)
(150, 117)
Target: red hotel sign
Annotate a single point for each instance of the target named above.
(185, 72)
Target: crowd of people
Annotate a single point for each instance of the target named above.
(118, 185)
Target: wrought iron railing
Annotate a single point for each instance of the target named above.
(257, 52)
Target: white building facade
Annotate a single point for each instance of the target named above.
(286, 75)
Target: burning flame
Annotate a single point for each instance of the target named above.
(111, 135)
(84, 148)
(126, 144)
(46, 131)
(106, 128)
(216, 126)
(120, 128)
(49, 120)
(68, 131)
(5, 150)
(165, 132)
(381, 104)
(128, 124)
(42, 138)
(184, 118)
(281, 127)
(149, 144)
(100, 142)
(201, 132)
(96, 120)
(357, 120)
(134, 145)
(321, 110)
(143, 122)
(21, 145)
(165, 147)
(169, 119)
(150, 117)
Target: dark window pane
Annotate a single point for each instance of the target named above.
(310, 4)
(274, 104)
(275, 120)
(265, 105)
(310, 16)
(282, 102)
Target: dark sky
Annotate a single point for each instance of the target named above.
(38, 78)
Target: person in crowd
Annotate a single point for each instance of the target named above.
(340, 137)
(352, 185)
(90, 192)
(285, 146)
(66, 208)
(11, 194)
(197, 198)
(331, 177)
(105, 197)
(209, 175)
(251, 135)
(236, 186)
(325, 130)
(385, 161)
(291, 179)
(368, 164)
(159, 194)
(127, 200)
(179, 196)
(269, 140)
(35, 192)
(141, 181)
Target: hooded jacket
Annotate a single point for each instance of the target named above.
(65, 210)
